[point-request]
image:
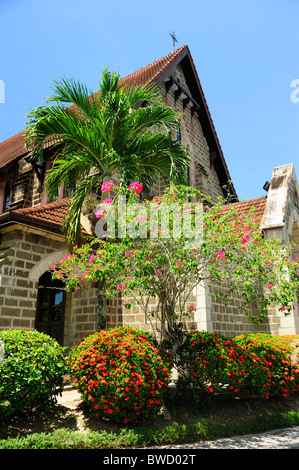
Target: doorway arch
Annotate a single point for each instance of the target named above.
(50, 309)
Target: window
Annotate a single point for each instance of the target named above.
(179, 134)
(6, 199)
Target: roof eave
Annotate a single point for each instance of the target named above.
(10, 218)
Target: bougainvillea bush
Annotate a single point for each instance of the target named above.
(280, 355)
(151, 248)
(32, 366)
(247, 367)
(120, 374)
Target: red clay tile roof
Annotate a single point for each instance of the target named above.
(152, 72)
(53, 212)
(258, 204)
(12, 148)
(51, 215)
(48, 216)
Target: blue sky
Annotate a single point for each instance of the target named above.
(245, 52)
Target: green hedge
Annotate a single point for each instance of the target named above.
(31, 369)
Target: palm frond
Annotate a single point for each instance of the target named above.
(102, 134)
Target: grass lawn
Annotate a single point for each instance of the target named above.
(68, 425)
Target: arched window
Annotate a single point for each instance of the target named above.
(50, 307)
(6, 198)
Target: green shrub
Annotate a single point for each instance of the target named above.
(280, 354)
(120, 374)
(31, 368)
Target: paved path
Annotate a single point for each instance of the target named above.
(278, 439)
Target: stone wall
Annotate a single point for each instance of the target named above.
(281, 219)
(24, 257)
(202, 175)
(83, 315)
(20, 252)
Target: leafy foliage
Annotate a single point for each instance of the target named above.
(142, 260)
(31, 371)
(96, 136)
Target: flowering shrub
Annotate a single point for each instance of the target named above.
(216, 365)
(120, 374)
(280, 355)
(150, 250)
(31, 368)
(249, 366)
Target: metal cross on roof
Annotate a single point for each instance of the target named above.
(174, 39)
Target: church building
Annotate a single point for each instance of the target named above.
(31, 240)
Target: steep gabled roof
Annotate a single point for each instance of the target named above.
(13, 149)
(152, 72)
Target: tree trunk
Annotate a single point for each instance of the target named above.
(101, 306)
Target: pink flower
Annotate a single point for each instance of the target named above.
(284, 308)
(220, 254)
(107, 186)
(191, 308)
(245, 239)
(136, 187)
(159, 272)
(100, 214)
(121, 287)
(270, 285)
(107, 201)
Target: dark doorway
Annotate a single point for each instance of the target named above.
(50, 307)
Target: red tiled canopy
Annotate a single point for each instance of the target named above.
(53, 212)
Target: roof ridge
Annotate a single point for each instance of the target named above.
(168, 59)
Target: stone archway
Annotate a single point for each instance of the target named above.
(50, 260)
(52, 315)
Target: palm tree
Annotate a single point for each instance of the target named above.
(118, 130)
